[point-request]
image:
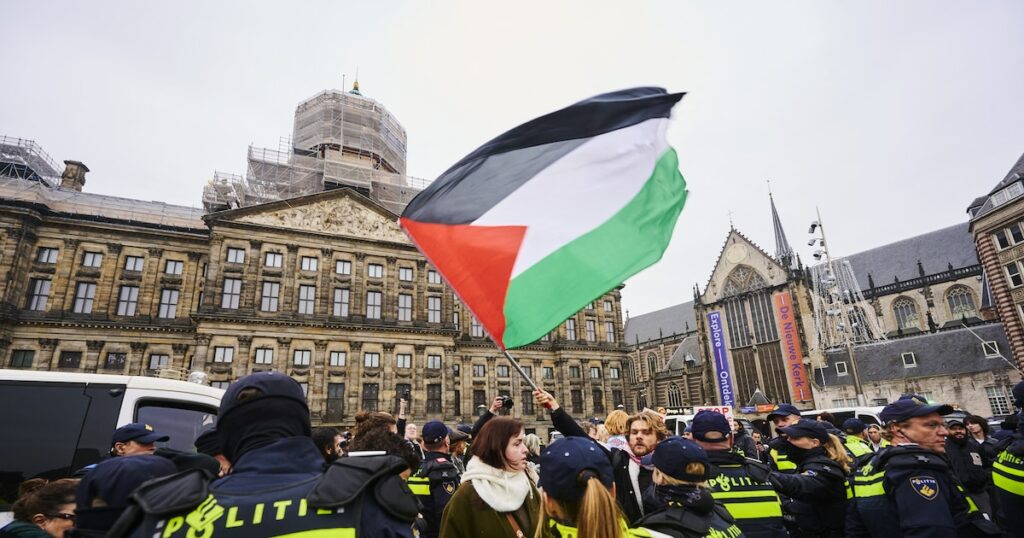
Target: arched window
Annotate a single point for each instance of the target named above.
(675, 396)
(742, 279)
(652, 365)
(906, 313)
(961, 302)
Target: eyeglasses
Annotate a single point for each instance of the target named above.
(62, 515)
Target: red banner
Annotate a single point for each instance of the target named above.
(790, 336)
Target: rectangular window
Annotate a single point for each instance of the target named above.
(456, 369)
(403, 360)
(608, 306)
(168, 304)
(22, 358)
(309, 263)
(127, 300)
(305, 389)
(223, 354)
(991, 349)
(273, 260)
(400, 390)
(614, 373)
(232, 293)
(909, 360)
(405, 274)
(371, 393)
(433, 277)
(1001, 240)
(434, 362)
(997, 400)
(549, 372)
(343, 267)
(591, 330)
(69, 359)
(340, 302)
(307, 298)
(577, 401)
(115, 361)
(47, 255)
(1013, 272)
(841, 369)
(844, 402)
(404, 307)
(527, 398)
(609, 331)
(371, 360)
(616, 398)
(375, 270)
(595, 372)
(269, 297)
(133, 263)
(158, 361)
(301, 357)
(479, 370)
(236, 255)
(173, 267)
(433, 309)
(502, 370)
(84, 295)
(479, 401)
(223, 385)
(475, 329)
(457, 402)
(264, 355)
(92, 259)
(598, 396)
(455, 316)
(434, 398)
(570, 329)
(590, 305)
(335, 401)
(337, 358)
(574, 372)
(373, 304)
(1015, 234)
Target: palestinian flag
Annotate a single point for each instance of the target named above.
(545, 218)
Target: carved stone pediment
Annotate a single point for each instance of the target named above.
(338, 216)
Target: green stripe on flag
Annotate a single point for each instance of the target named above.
(555, 288)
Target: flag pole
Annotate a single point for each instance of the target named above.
(519, 369)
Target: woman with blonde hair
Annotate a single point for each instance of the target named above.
(615, 423)
(816, 493)
(498, 496)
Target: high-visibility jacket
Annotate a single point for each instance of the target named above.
(1008, 479)
(741, 485)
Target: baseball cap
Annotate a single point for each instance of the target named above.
(674, 453)
(568, 463)
(784, 409)
(115, 479)
(807, 428)
(854, 425)
(955, 420)
(138, 432)
(434, 431)
(710, 427)
(271, 384)
(909, 406)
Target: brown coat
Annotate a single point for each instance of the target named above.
(467, 515)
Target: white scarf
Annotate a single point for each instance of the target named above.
(504, 491)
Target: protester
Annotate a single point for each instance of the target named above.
(498, 496)
(371, 420)
(968, 465)
(602, 434)
(328, 442)
(685, 507)
(814, 500)
(383, 442)
(412, 435)
(876, 439)
(590, 428)
(437, 478)
(615, 422)
(978, 434)
(742, 441)
(103, 495)
(135, 439)
(457, 450)
(43, 509)
(762, 450)
(533, 450)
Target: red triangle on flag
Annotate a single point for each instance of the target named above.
(476, 261)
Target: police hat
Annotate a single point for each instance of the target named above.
(270, 384)
(854, 425)
(138, 432)
(434, 432)
(909, 406)
(807, 428)
(114, 479)
(709, 422)
(674, 453)
(567, 464)
(782, 410)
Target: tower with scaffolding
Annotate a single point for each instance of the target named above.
(24, 159)
(339, 139)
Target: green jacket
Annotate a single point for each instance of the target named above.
(467, 515)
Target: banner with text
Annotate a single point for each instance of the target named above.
(720, 409)
(723, 376)
(791, 347)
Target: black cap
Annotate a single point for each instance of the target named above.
(209, 443)
(568, 463)
(138, 432)
(709, 422)
(674, 453)
(271, 384)
(114, 479)
(909, 406)
(784, 409)
(807, 428)
(458, 435)
(434, 432)
(854, 425)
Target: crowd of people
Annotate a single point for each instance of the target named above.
(264, 471)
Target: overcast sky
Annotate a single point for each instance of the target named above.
(889, 116)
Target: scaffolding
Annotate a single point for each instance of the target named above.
(24, 159)
(338, 140)
(836, 290)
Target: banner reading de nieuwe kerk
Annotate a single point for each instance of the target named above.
(791, 347)
(723, 376)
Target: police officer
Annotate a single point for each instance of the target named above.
(1008, 475)
(437, 478)
(738, 482)
(908, 488)
(783, 415)
(857, 443)
(276, 486)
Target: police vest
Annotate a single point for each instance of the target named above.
(782, 462)
(858, 447)
(751, 500)
(558, 530)
(1008, 473)
(678, 521)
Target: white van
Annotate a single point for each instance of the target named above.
(868, 414)
(54, 423)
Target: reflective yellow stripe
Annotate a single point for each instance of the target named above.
(869, 490)
(321, 533)
(1007, 469)
(419, 485)
(868, 478)
(767, 493)
(754, 510)
(782, 462)
(1006, 483)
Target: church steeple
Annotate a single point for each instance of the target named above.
(783, 252)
